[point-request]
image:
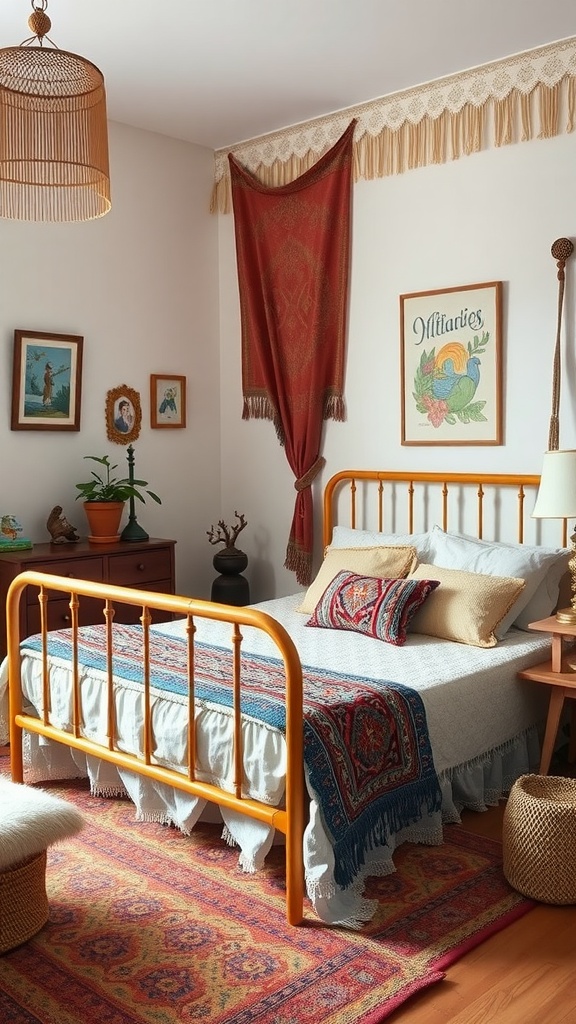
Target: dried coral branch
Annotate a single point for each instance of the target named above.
(227, 535)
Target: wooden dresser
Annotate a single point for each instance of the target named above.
(147, 565)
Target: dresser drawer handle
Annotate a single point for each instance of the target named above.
(66, 618)
(141, 567)
(70, 575)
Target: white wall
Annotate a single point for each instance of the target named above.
(152, 288)
(491, 216)
(141, 286)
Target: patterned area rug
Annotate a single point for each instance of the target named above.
(148, 926)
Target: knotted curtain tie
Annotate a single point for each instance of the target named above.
(304, 481)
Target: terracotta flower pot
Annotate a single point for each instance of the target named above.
(103, 520)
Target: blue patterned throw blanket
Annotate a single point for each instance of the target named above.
(366, 745)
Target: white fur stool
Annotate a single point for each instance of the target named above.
(30, 821)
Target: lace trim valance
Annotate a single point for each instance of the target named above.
(429, 124)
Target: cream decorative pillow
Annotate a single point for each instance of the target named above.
(541, 568)
(381, 562)
(467, 607)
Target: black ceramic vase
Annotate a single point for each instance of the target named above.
(230, 587)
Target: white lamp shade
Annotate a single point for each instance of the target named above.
(556, 497)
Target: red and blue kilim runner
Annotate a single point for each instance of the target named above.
(366, 745)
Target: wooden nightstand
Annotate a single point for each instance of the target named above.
(562, 681)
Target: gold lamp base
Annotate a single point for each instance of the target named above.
(567, 616)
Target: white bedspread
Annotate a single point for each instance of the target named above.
(473, 699)
(482, 722)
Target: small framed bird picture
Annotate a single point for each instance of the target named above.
(451, 372)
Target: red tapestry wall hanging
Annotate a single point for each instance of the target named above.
(293, 252)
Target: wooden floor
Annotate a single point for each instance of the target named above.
(523, 975)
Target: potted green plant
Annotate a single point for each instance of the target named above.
(104, 498)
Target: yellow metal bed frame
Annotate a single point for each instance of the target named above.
(290, 820)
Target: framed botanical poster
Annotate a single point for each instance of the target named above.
(451, 373)
(123, 414)
(167, 400)
(46, 381)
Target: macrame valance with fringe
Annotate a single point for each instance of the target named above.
(521, 97)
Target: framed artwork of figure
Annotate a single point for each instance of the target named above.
(123, 415)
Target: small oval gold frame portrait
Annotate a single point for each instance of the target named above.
(123, 415)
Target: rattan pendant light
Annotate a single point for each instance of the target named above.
(53, 131)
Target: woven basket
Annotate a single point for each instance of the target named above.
(539, 838)
(23, 902)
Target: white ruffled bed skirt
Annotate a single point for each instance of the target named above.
(476, 785)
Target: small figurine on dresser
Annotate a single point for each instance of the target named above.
(11, 534)
(60, 530)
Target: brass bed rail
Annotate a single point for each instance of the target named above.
(289, 820)
(439, 488)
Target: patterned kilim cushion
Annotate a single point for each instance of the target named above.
(383, 562)
(382, 608)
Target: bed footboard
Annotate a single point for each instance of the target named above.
(288, 819)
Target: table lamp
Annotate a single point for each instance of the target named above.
(556, 499)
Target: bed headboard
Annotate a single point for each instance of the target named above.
(493, 506)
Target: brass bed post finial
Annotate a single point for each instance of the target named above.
(445, 505)
(353, 503)
(521, 496)
(480, 510)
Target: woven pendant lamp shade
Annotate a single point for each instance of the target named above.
(53, 136)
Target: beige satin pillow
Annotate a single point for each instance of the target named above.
(381, 562)
(466, 607)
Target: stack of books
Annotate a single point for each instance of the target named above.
(11, 538)
(14, 543)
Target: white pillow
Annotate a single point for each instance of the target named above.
(542, 568)
(545, 600)
(346, 537)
